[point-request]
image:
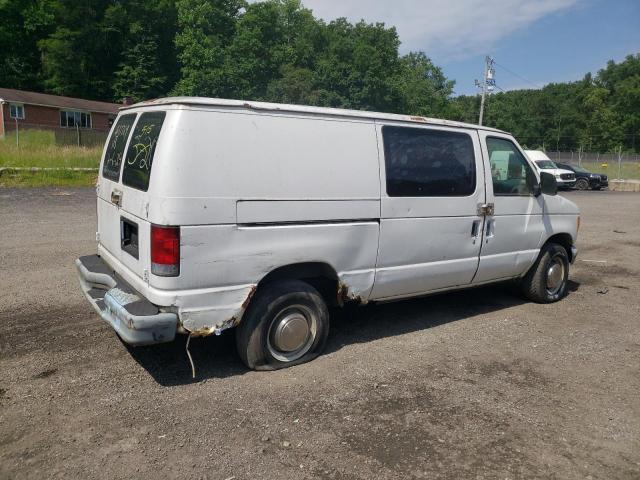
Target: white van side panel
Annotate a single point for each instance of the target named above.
(233, 259)
(261, 211)
(212, 159)
(253, 192)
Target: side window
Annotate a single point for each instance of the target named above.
(139, 159)
(428, 163)
(115, 148)
(510, 172)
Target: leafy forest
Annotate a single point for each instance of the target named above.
(278, 51)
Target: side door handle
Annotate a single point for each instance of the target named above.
(491, 227)
(475, 229)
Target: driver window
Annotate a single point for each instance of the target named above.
(510, 172)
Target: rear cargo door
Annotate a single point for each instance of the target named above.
(109, 187)
(126, 202)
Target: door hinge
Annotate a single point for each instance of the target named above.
(485, 209)
(145, 276)
(98, 237)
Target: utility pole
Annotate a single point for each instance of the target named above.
(487, 84)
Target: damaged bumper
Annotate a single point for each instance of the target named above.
(136, 320)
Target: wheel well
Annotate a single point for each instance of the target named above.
(319, 275)
(563, 239)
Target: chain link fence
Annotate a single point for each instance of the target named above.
(620, 165)
(23, 135)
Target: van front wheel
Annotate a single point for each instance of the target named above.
(546, 281)
(287, 323)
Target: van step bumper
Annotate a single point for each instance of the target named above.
(136, 320)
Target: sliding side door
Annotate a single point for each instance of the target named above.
(432, 182)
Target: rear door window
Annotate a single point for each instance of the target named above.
(139, 159)
(115, 148)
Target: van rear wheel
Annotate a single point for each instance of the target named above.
(287, 323)
(546, 281)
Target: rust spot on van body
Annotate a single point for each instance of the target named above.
(226, 324)
(345, 296)
(252, 292)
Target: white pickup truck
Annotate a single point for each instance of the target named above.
(565, 178)
(217, 214)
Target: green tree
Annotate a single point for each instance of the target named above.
(205, 28)
(24, 23)
(81, 54)
(147, 67)
(422, 88)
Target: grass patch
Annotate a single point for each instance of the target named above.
(38, 148)
(628, 170)
(58, 178)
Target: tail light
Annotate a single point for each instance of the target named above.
(165, 251)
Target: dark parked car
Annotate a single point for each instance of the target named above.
(585, 179)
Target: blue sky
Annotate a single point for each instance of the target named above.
(542, 41)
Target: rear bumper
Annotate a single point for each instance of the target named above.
(574, 253)
(136, 320)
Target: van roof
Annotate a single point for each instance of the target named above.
(536, 155)
(280, 107)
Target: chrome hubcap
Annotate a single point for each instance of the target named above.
(555, 276)
(292, 333)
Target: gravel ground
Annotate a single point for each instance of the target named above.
(476, 384)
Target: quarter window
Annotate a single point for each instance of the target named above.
(115, 148)
(139, 159)
(510, 172)
(428, 163)
(74, 119)
(16, 111)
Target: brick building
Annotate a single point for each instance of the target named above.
(41, 110)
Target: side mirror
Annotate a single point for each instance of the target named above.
(548, 184)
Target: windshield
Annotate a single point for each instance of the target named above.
(545, 164)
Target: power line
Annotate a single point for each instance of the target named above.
(516, 75)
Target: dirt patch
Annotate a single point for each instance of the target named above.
(467, 385)
(46, 373)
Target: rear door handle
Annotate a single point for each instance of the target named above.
(116, 197)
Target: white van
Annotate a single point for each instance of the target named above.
(215, 214)
(564, 178)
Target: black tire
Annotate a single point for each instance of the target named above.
(582, 184)
(287, 302)
(535, 284)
